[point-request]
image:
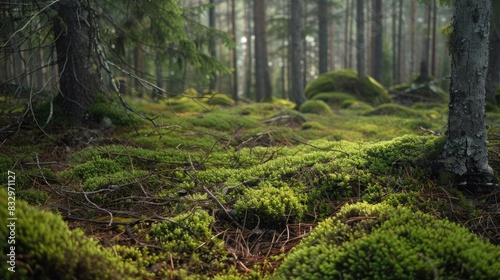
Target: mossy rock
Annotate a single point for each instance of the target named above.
(313, 125)
(45, 248)
(356, 105)
(380, 241)
(365, 89)
(411, 93)
(394, 110)
(315, 107)
(334, 98)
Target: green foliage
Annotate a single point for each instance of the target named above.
(112, 110)
(316, 107)
(365, 89)
(46, 249)
(366, 241)
(269, 206)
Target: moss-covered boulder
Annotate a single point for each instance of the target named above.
(410, 93)
(43, 247)
(366, 241)
(348, 82)
(315, 107)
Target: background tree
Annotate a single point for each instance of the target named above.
(297, 94)
(493, 76)
(360, 38)
(377, 45)
(465, 149)
(263, 87)
(323, 39)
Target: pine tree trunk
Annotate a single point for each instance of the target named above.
(297, 53)
(323, 35)
(263, 88)
(493, 77)
(465, 148)
(377, 53)
(73, 46)
(235, 54)
(360, 35)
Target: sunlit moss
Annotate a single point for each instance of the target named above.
(383, 242)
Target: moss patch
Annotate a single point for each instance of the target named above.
(383, 242)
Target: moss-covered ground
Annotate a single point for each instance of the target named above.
(215, 190)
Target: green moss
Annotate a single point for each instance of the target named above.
(333, 98)
(46, 249)
(112, 109)
(312, 125)
(365, 89)
(393, 110)
(316, 107)
(269, 206)
(94, 168)
(383, 242)
(219, 99)
(409, 93)
(120, 178)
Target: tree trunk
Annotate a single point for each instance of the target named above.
(297, 53)
(235, 54)
(434, 39)
(263, 88)
(73, 46)
(377, 34)
(347, 35)
(360, 35)
(401, 62)
(493, 76)
(413, 35)
(465, 150)
(323, 35)
(212, 46)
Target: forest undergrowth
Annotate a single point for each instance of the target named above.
(226, 191)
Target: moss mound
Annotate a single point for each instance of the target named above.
(336, 98)
(366, 241)
(347, 81)
(220, 99)
(269, 206)
(316, 107)
(46, 249)
(410, 93)
(393, 110)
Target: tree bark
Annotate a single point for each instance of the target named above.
(74, 46)
(360, 35)
(377, 45)
(493, 76)
(212, 46)
(235, 54)
(263, 88)
(465, 150)
(297, 53)
(323, 35)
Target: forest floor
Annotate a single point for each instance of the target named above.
(245, 182)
